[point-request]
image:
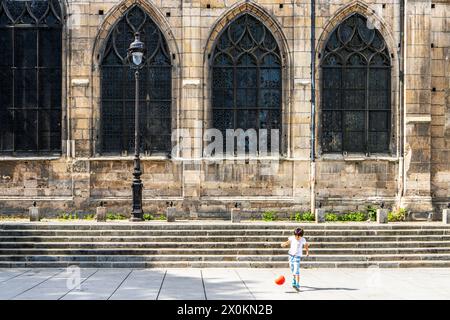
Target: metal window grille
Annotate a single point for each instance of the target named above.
(246, 78)
(117, 88)
(356, 94)
(30, 77)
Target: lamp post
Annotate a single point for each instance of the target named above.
(136, 55)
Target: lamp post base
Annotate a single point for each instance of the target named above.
(137, 213)
(136, 219)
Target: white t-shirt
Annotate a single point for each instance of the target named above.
(296, 248)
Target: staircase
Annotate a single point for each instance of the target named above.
(221, 244)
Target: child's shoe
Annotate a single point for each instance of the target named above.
(294, 283)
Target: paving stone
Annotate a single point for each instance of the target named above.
(140, 285)
(100, 286)
(58, 286)
(225, 284)
(182, 284)
(18, 285)
(243, 284)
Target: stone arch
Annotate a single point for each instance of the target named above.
(257, 11)
(116, 14)
(359, 7)
(108, 24)
(269, 21)
(348, 10)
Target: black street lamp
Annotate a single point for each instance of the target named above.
(136, 55)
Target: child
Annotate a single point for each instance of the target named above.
(295, 253)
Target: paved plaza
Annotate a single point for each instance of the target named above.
(218, 284)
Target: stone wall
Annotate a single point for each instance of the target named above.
(419, 179)
(440, 104)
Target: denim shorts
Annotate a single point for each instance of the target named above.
(294, 264)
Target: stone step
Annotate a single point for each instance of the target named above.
(252, 251)
(264, 238)
(231, 264)
(220, 245)
(208, 244)
(268, 258)
(261, 258)
(217, 226)
(183, 233)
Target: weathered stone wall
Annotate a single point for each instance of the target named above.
(353, 181)
(418, 179)
(49, 182)
(440, 104)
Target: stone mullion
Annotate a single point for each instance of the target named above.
(80, 113)
(191, 100)
(299, 119)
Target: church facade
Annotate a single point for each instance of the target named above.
(282, 105)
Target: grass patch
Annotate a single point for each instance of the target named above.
(115, 216)
(353, 216)
(67, 216)
(331, 217)
(89, 216)
(150, 217)
(161, 217)
(13, 218)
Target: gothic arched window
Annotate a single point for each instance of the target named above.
(30, 76)
(118, 88)
(356, 94)
(246, 78)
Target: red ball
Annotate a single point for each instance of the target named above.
(280, 280)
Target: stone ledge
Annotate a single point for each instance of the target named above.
(418, 118)
(80, 82)
(358, 157)
(31, 158)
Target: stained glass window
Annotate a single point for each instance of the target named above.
(356, 103)
(246, 78)
(30, 76)
(118, 88)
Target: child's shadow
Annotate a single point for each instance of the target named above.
(307, 288)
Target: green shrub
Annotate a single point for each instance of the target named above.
(371, 213)
(64, 216)
(353, 216)
(89, 216)
(331, 217)
(308, 216)
(305, 216)
(269, 216)
(114, 216)
(161, 217)
(147, 217)
(397, 215)
(67, 216)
